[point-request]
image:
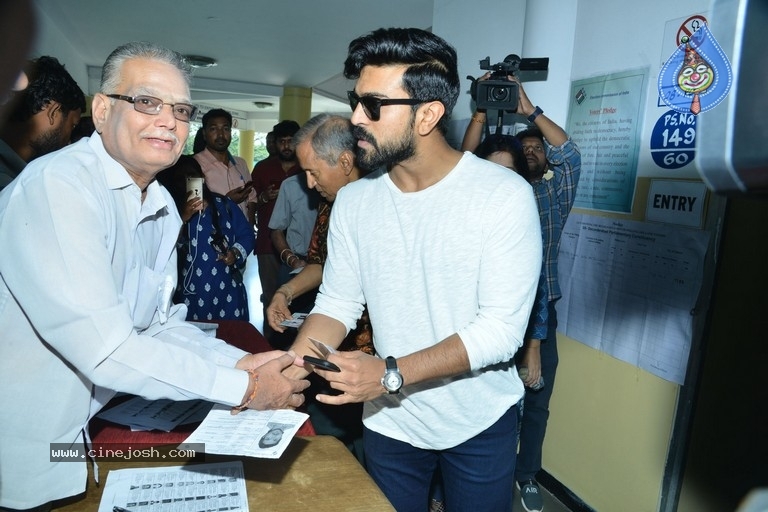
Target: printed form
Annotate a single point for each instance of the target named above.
(217, 486)
(263, 434)
(630, 289)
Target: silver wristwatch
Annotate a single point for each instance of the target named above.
(392, 379)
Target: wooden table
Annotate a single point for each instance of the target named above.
(316, 474)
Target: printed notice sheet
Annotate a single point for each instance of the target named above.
(217, 486)
(605, 120)
(263, 434)
(630, 289)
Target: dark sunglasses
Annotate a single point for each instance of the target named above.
(372, 105)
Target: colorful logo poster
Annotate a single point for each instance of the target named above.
(697, 76)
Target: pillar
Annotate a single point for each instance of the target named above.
(296, 104)
(246, 146)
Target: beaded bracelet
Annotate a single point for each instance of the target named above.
(477, 119)
(253, 375)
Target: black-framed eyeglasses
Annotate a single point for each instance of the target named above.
(372, 105)
(152, 106)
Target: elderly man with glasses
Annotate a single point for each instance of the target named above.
(87, 271)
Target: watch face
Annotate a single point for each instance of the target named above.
(393, 381)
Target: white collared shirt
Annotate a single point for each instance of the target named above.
(81, 274)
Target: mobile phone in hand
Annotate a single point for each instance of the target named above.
(321, 363)
(194, 185)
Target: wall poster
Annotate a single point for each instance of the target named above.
(604, 119)
(630, 289)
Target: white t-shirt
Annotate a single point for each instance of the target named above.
(462, 256)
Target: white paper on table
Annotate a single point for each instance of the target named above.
(250, 433)
(215, 486)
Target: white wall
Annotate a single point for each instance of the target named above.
(49, 36)
(477, 29)
(550, 32)
(497, 28)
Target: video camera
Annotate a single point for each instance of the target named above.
(498, 95)
(498, 92)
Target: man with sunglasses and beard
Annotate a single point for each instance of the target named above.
(445, 249)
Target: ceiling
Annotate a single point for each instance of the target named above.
(260, 46)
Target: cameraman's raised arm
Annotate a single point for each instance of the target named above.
(474, 134)
(552, 133)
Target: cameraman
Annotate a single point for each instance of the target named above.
(554, 163)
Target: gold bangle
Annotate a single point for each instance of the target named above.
(289, 255)
(477, 119)
(254, 377)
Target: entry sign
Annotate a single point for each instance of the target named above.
(673, 139)
(676, 202)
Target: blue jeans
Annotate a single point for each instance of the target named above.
(533, 425)
(477, 474)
